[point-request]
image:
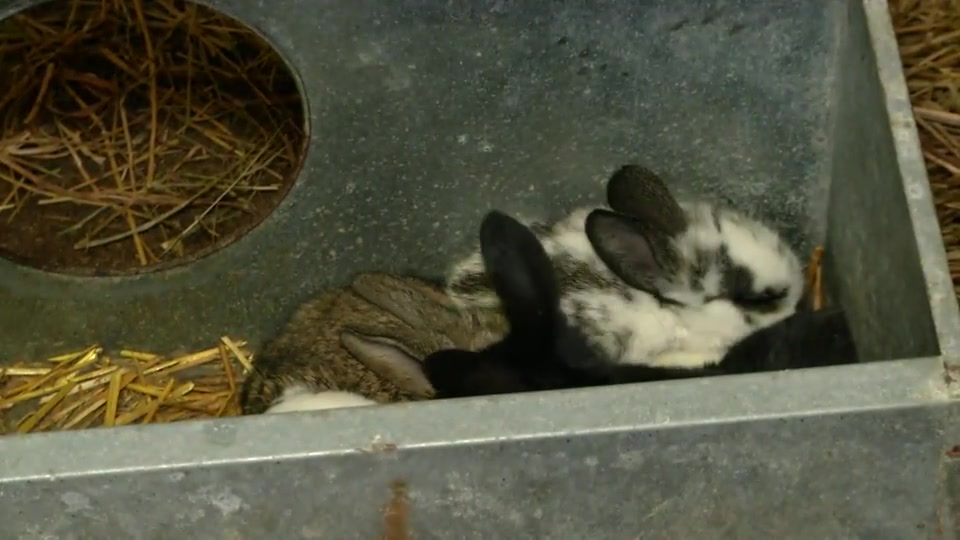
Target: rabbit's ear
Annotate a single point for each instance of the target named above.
(390, 360)
(521, 273)
(639, 192)
(640, 255)
(414, 302)
(457, 373)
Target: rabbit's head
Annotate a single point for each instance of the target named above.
(694, 254)
(533, 355)
(430, 322)
(527, 355)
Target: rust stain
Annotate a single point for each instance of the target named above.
(379, 448)
(954, 451)
(395, 516)
(383, 447)
(951, 373)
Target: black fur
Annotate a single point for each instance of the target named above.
(805, 339)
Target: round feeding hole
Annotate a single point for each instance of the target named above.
(139, 135)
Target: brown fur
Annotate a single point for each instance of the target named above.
(412, 315)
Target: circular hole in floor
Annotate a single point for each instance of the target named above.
(139, 135)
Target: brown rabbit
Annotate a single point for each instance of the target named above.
(336, 341)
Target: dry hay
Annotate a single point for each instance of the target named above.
(814, 279)
(90, 389)
(928, 32)
(136, 133)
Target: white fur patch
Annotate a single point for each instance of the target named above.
(758, 248)
(661, 336)
(772, 262)
(300, 398)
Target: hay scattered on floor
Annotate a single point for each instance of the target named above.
(91, 389)
(928, 32)
(138, 132)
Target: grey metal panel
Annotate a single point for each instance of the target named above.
(845, 452)
(916, 186)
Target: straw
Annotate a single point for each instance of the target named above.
(137, 133)
(928, 33)
(814, 279)
(90, 388)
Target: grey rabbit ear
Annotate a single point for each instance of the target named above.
(404, 298)
(639, 192)
(389, 359)
(637, 254)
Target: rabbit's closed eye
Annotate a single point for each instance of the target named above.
(765, 299)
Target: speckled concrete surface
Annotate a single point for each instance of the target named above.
(424, 115)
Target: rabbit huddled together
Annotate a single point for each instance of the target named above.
(647, 288)
(655, 281)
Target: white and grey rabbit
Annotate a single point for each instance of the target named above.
(655, 281)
